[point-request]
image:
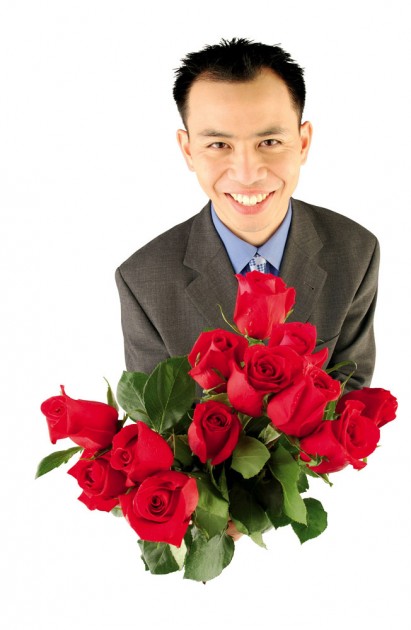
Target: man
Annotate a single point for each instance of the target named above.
(241, 104)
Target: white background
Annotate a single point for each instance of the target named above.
(89, 172)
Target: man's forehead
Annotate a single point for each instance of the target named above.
(262, 104)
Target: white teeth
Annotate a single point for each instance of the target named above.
(246, 200)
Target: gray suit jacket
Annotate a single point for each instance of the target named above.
(171, 288)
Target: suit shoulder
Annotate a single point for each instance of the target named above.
(164, 246)
(335, 227)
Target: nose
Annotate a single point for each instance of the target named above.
(246, 166)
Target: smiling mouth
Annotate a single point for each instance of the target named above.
(249, 200)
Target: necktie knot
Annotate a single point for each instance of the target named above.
(258, 263)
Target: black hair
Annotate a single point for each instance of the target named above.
(237, 60)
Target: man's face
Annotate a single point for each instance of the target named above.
(246, 146)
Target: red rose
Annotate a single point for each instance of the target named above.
(214, 432)
(139, 452)
(212, 355)
(317, 358)
(301, 338)
(101, 484)
(271, 369)
(263, 300)
(344, 441)
(299, 409)
(296, 335)
(160, 509)
(89, 424)
(266, 370)
(242, 395)
(380, 404)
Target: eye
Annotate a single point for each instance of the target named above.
(270, 142)
(218, 145)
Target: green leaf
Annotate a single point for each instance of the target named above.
(254, 342)
(111, 400)
(269, 434)
(181, 427)
(56, 459)
(182, 451)
(257, 537)
(269, 494)
(322, 476)
(169, 393)
(302, 484)
(246, 512)
(329, 412)
(206, 559)
(130, 395)
(240, 527)
(210, 396)
(117, 511)
(218, 478)
(222, 484)
(211, 514)
(316, 521)
(179, 554)
(249, 456)
(287, 471)
(162, 558)
(254, 426)
(282, 520)
(188, 538)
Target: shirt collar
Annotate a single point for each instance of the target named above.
(240, 252)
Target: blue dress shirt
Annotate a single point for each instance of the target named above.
(240, 252)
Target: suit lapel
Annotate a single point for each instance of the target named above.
(215, 283)
(298, 269)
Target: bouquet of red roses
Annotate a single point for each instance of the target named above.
(185, 470)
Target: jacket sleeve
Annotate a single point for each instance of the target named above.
(143, 346)
(356, 340)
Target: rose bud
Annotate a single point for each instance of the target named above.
(263, 300)
(159, 510)
(89, 424)
(344, 441)
(380, 404)
(139, 452)
(101, 484)
(299, 409)
(212, 355)
(214, 431)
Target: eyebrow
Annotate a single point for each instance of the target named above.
(214, 133)
(273, 131)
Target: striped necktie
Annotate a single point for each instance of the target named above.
(258, 263)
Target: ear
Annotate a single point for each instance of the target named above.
(306, 133)
(184, 144)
